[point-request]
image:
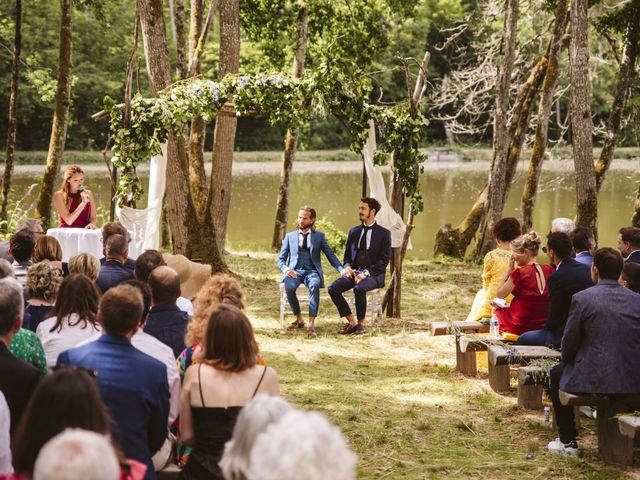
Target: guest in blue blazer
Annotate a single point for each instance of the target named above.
(584, 243)
(366, 257)
(166, 321)
(569, 278)
(133, 385)
(299, 261)
(629, 244)
(113, 271)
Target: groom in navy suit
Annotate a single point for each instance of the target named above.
(366, 257)
(299, 262)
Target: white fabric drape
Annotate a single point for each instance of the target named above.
(387, 216)
(144, 224)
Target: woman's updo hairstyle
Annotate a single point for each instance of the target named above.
(527, 241)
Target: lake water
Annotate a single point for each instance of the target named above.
(448, 195)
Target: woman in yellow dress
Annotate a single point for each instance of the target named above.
(495, 266)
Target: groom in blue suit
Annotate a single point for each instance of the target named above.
(299, 261)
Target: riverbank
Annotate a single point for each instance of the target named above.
(394, 392)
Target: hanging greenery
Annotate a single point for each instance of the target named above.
(279, 99)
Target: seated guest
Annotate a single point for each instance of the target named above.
(562, 224)
(116, 228)
(77, 453)
(253, 420)
(21, 247)
(569, 278)
(302, 442)
(25, 344)
(154, 348)
(147, 262)
(599, 345)
(495, 266)
(34, 225)
(629, 244)
(132, 385)
(219, 289)
(529, 286)
(5, 447)
(113, 271)
(17, 378)
(43, 283)
(584, 243)
(86, 264)
(47, 249)
(166, 321)
(215, 390)
(68, 398)
(630, 277)
(73, 317)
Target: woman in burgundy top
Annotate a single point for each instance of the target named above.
(74, 203)
(529, 285)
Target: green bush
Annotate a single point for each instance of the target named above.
(336, 238)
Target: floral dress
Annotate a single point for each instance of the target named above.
(26, 346)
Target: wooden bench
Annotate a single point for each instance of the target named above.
(466, 348)
(615, 434)
(501, 357)
(450, 328)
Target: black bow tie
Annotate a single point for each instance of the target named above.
(365, 228)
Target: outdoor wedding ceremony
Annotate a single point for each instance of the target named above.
(319, 239)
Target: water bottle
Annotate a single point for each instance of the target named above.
(494, 331)
(547, 415)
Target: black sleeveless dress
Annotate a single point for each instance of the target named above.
(213, 427)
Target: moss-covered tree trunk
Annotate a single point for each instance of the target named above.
(497, 182)
(13, 115)
(181, 58)
(224, 137)
(581, 124)
(627, 68)
(60, 117)
(291, 138)
(455, 241)
(530, 192)
(189, 235)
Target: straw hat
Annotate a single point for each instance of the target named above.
(192, 275)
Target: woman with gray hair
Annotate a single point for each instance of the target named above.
(254, 419)
(302, 445)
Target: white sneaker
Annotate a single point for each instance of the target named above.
(569, 449)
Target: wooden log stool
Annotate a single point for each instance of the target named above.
(615, 443)
(500, 357)
(531, 382)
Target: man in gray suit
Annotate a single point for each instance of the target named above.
(599, 346)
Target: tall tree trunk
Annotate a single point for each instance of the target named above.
(181, 58)
(60, 116)
(197, 38)
(190, 237)
(225, 130)
(494, 205)
(627, 67)
(454, 241)
(13, 109)
(581, 124)
(544, 113)
(291, 138)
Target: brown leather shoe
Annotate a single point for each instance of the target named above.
(348, 329)
(360, 330)
(295, 325)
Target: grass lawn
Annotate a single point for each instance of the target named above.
(394, 392)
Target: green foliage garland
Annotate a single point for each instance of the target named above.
(281, 100)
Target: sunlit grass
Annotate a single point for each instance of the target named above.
(395, 393)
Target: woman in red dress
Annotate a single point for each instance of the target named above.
(529, 285)
(75, 204)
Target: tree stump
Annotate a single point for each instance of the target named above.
(465, 361)
(499, 378)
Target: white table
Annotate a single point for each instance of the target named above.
(82, 240)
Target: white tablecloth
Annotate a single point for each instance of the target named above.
(81, 240)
